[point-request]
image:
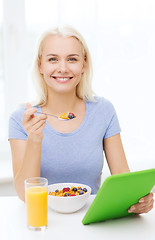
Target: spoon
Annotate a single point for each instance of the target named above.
(56, 116)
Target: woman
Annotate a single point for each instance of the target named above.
(66, 151)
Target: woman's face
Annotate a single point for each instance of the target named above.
(62, 63)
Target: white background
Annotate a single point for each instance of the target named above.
(121, 38)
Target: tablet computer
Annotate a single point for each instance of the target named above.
(117, 193)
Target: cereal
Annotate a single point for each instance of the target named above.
(67, 116)
(69, 192)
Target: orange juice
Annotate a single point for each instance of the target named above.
(36, 201)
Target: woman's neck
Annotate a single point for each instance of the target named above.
(61, 103)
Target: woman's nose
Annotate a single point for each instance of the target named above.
(62, 67)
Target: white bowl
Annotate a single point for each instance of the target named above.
(67, 204)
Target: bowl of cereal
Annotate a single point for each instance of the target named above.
(67, 197)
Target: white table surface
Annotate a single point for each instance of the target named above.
(69, 226)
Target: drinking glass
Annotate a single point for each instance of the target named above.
(36, 196)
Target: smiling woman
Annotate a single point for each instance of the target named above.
(122, 44)
(66, 151)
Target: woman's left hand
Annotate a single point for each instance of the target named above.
(144, 205)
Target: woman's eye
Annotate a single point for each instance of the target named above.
(52, 60)
(72, 59)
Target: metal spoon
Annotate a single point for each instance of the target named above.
(56, 116)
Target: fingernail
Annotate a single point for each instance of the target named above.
(132, 209)
(141, 200)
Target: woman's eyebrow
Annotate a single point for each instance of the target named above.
(51, 54)
(70, 55)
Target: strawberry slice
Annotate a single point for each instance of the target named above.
(65, 190)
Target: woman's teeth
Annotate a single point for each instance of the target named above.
(62, 79)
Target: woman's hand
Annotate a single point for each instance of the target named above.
(33, 125)
(145, 205)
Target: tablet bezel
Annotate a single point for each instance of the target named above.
(119, 192)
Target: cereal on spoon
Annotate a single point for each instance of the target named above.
(67, 116)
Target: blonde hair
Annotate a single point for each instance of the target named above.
(84, 88)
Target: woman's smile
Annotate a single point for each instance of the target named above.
(62, 79)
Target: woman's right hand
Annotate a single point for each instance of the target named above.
(34, 125)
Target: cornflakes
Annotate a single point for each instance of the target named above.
(68, 192)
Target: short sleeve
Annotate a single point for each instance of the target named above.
(112, 123)
(16, 129)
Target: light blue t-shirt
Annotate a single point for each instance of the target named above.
(76, 156)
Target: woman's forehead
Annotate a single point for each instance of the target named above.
(59, 43)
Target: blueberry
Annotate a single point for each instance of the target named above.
(79, 188)
(81, 192)
(74, 189)
(57, 190)
(85, 189)
(66, 194)
(70, 116)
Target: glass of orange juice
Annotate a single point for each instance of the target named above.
(36, 192)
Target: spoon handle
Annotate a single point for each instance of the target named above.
(48, 114)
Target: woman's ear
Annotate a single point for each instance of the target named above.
(39, 66)
(84, 65)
